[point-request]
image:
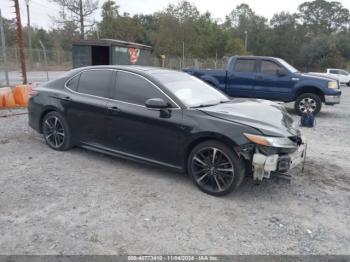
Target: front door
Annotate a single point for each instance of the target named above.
(137, 130)
(273, 82)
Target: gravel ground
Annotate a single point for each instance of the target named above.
(81, 202)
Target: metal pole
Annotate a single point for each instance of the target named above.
(20, 42)
(183, 54)
(29, 33)
(4, 51)
(246, 41)
(45, 59)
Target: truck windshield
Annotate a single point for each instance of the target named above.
(190, 90)
(289, 67)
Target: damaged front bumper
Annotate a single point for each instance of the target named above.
(264, 165)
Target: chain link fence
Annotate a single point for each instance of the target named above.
(39, 67)
(58, 61)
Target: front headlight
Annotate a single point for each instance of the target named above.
(281, 142)
(333, 85)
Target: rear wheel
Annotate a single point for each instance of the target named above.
(308, 102)
(56, 132)
(215, 168)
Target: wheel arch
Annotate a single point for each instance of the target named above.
(47, 110)
(310, 89)
(206, 137)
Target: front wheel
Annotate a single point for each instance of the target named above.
(308, 102)
(215, 168)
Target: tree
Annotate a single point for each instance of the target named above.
(114, 25)
(241, 21)
(109, 14)
(79, 12)
(10, 31)
(321, 16)
(321, 53)
(286, 37)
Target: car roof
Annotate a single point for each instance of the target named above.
(130, 68)
(257, 57)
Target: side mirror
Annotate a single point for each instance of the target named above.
(281, 72)
(156, 103)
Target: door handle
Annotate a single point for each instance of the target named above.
(68, 98)
(114, 109)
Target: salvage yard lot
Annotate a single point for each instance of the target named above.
(81, 202)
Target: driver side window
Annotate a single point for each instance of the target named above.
(134, 89)
(269, 68)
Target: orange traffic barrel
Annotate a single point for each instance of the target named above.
(20, 94)
(6, 98)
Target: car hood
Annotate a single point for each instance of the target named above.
(314, 76)
(268, 117)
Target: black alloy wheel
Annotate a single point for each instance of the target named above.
(55, 131)
(215, 169)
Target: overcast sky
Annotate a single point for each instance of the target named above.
(41, 10)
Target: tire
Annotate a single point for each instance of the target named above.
(56, 132)
(215, 177)
(308, 101)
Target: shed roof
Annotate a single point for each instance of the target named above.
(110, 42)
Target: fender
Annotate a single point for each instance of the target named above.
(304, 88)
(197, 138)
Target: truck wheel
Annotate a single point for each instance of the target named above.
(308, 102)
(215, 168)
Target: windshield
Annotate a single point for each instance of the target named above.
(190, 90)
(289, 67)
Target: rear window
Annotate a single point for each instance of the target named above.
(245, 65)
(96, 82)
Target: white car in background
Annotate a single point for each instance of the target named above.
(341, 75)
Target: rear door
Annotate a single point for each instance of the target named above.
(139, 131)
(86, 108)
(270, 84)
(240, 82)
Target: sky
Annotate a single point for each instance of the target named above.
(42, 11)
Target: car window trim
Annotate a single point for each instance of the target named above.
(93, 69)
(116, 100)
(157, 87)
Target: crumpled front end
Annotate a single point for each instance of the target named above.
(278, 160)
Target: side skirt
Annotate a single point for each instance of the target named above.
(124, 155)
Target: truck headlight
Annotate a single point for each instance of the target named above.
(280, 142)
(333, 85)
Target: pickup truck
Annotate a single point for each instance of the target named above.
(272, 79)
(341, 75)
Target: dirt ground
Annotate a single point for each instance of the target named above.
(81, 202)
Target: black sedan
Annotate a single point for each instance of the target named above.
(168, 118)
